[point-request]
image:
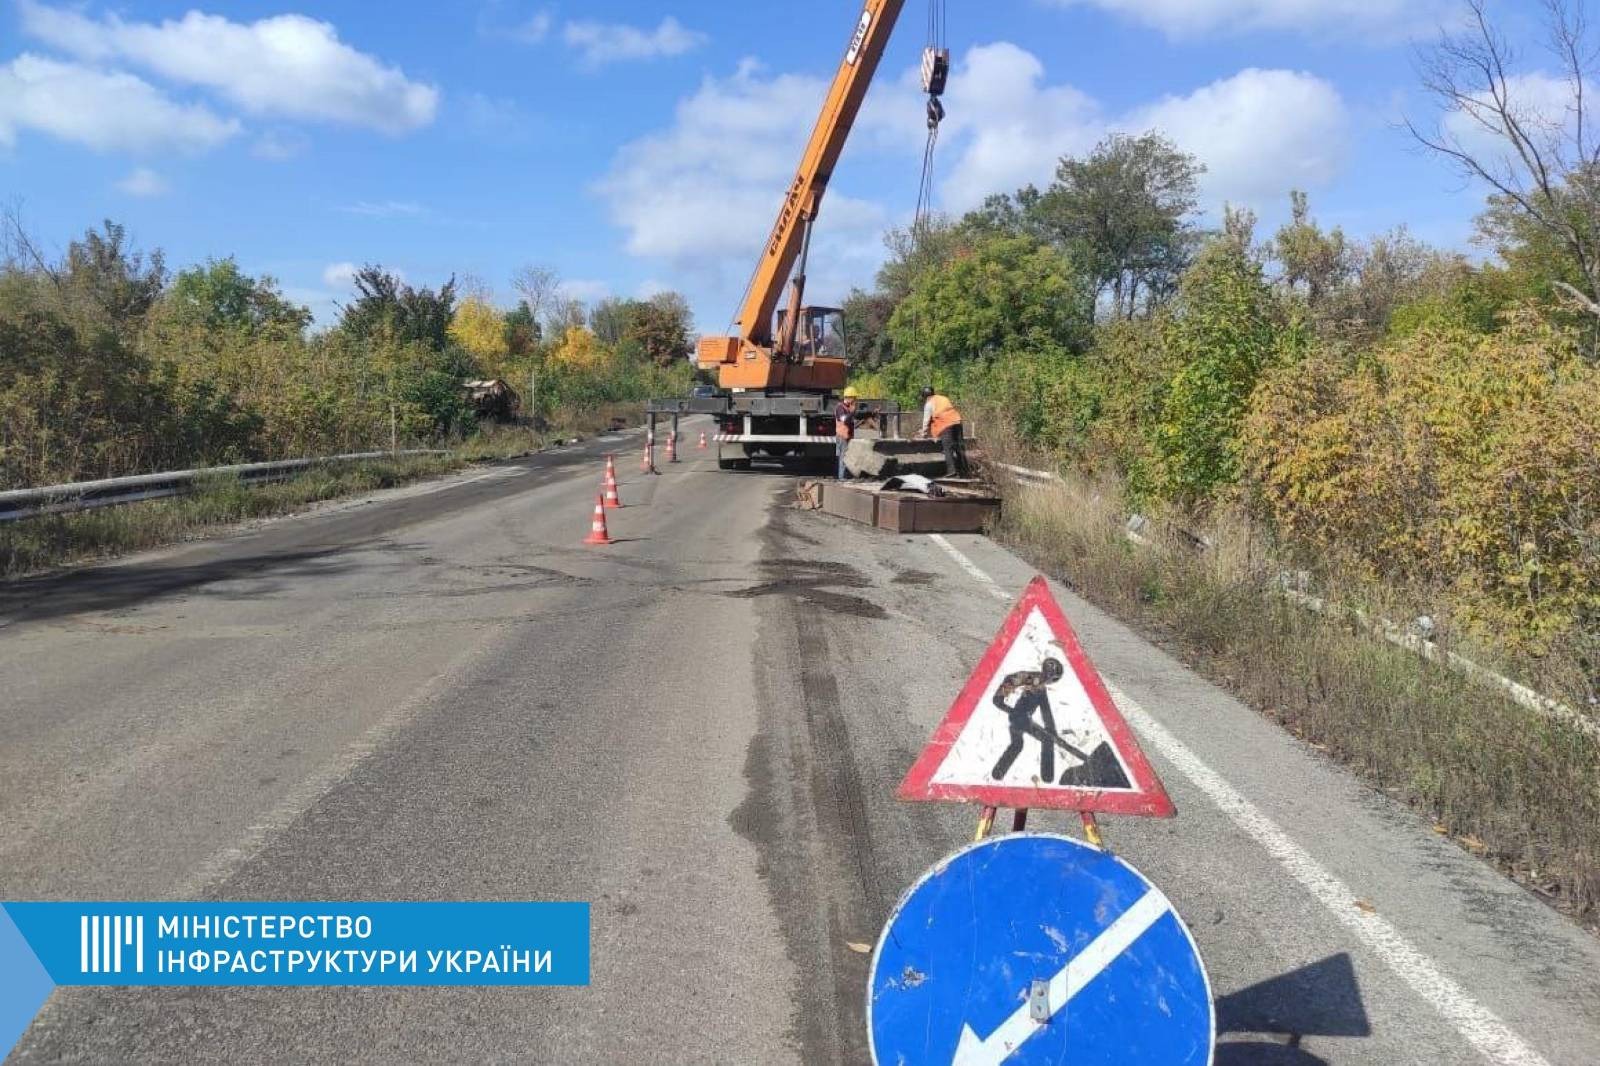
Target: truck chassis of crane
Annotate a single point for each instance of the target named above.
(793, 429)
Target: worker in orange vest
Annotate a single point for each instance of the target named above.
(941, 421)
(844, 426)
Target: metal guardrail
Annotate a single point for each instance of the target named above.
(18, 504)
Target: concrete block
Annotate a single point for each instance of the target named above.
(884, 459)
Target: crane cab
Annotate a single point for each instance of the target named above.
(821, 333)
(816, 365)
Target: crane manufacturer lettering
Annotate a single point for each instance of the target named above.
(791, 206)
(860, 38)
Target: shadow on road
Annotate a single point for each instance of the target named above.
(1323, 999)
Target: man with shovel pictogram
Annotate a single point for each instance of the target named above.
(1031, 690)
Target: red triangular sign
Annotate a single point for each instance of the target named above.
(1035, 728)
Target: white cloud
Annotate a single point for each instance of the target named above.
(678, 201)
(385, 209)
(1260, 133)
(599, 43)
(103, 110)
(680, 205)
(144, 183)
(286, 66)
(1011, 127)
(340, 276)
(1185, 18)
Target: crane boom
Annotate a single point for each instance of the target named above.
(804, 197)
(757, 359)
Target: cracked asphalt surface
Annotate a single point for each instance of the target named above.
(437, 693)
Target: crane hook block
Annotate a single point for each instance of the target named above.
(935, 112)
(935, 70)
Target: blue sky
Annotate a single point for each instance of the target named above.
(635, 147)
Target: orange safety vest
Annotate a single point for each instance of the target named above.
(945, 415)
(841, 428)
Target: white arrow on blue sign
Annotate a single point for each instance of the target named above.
(1034, 948)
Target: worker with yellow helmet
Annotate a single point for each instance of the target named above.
(844, 426)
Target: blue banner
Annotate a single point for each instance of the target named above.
(43, 945)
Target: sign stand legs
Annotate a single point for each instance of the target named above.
(1019, 822)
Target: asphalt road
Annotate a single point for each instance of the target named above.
(438, 693)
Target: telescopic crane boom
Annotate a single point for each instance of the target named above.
(787, 354)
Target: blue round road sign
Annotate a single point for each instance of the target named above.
(1035, 948)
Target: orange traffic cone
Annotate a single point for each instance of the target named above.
(648, 464)
(597, 531)
(613, 498)
(672, 447)
(703, 444)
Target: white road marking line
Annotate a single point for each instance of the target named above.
(1074, 977)
(1476, 1024)
(972, 568)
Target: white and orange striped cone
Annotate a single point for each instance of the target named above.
(648, 464)
(672, 447)
(703, 444)
(597, 530)
(613, 497)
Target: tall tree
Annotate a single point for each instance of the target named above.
(1126, 213)
(481, 330)
(866, 329)
(540, 289)
(1010, 297)
(1315, 261)
(661, 326)
(1222, 335)
(102, 282)
(386, 306)
(1540, 157)
(610, 319)
(221, 296)
(523, 331)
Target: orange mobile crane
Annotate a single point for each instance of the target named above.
(777, 378)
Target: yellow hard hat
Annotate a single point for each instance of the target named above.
(851, 393)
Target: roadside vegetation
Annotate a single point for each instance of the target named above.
(110, 365)
(1400, 429)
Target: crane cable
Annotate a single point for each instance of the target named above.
(935, 75)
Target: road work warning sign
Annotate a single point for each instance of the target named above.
(1035, 728)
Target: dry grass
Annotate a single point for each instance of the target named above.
(1509, 784)
(55, 540)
